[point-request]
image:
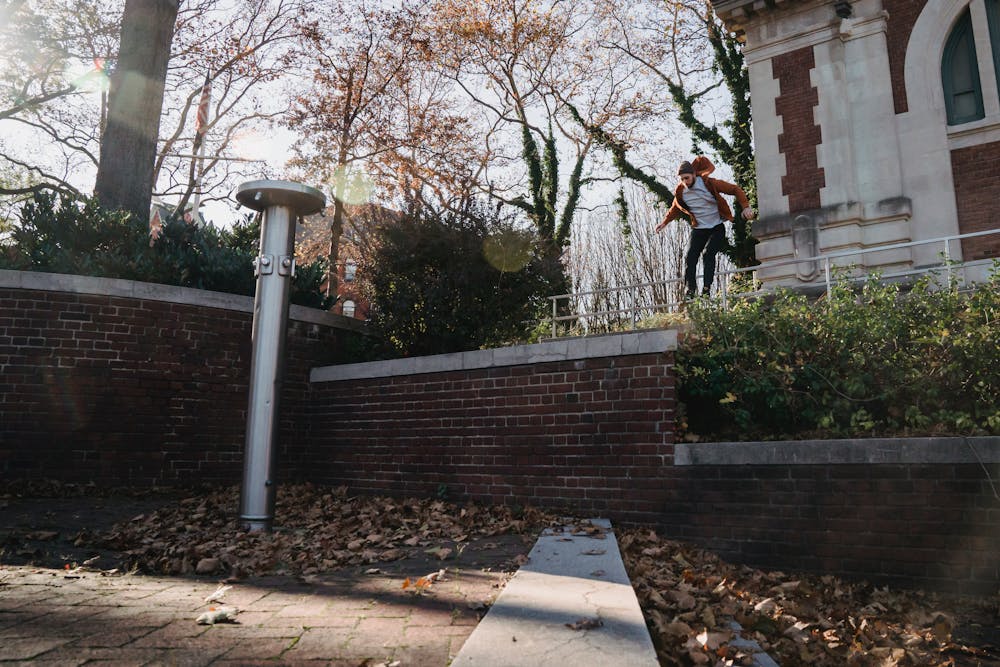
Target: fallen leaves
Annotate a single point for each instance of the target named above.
(691, 599)
(317, 529)
(220, 615)
(424, 582)
(440, 553)
(42, 535)
(585, 624)
(689, 596)
(219, 593)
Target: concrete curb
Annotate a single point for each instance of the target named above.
(572, 578)
(871, 451)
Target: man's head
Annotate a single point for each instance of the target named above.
(686, 173)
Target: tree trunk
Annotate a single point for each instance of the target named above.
(128, 147)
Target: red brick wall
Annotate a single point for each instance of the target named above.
(134, 392)
(902, 16)
(932, 525)
(800, 135)
(594, 436)
(124, 391)
(977, 193)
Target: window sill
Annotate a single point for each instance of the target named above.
(973, 133)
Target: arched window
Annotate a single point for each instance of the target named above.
(963, 94)
(348, 309)
(993, 18)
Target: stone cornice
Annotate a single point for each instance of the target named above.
(736, 13)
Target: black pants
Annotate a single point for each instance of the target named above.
(710, 241)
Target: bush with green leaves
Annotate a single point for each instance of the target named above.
(883, 359)
(455, 281)
(76, 236)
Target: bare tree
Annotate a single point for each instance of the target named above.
(128, 147)
(622, 268)
(520, 62)
(55, 77)
(683, 45)
(53, 92)
(246, 51)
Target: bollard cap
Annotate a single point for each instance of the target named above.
(259, 195)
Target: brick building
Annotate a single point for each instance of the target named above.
(875, 122)
(312, 240)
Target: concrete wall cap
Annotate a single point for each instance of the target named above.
(611, 345)
(870, 451)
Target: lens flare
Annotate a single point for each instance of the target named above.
(508, 251)
(89, 77)
(356, 185)
(254, 146)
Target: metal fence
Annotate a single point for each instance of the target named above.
(626, 306)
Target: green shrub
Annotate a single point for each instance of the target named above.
(76, 236)
(455, 281)
(873, 361)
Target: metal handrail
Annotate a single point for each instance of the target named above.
(724, 275)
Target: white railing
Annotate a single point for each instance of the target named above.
(636, 311)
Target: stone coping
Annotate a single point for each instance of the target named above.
(873, 451)
(570, 578)
(570, 349)
(133, 289)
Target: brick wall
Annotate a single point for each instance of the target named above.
(137, 391)
(800, 135)
(133, 391)
(593, 434)
(593, 437)
(977, 193)
(930, 525)
(902, 17)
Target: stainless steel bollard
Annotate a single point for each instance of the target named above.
(281, 202)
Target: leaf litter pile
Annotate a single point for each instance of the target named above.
(318, 529)
(690, 597)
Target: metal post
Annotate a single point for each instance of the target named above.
(826, 271)
(555, 313)
(281, 203)
(947, 260)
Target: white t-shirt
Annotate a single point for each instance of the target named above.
(702, 205)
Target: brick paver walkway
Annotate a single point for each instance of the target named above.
(347, 618)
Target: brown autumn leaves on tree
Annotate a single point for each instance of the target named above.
(371, 118)
(456, 98)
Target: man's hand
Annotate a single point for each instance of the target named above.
(661, 226)
(748, 213)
